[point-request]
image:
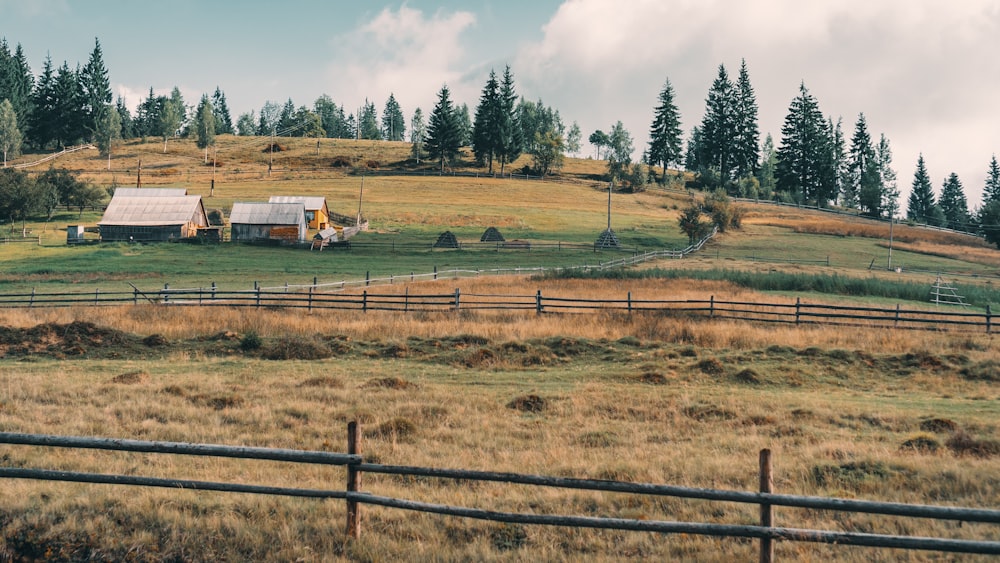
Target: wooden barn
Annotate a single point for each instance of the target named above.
(255, 221)
(317, 213)
(149, 217)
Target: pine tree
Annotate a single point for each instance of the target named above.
(864, 192)
(921, 203)
(331, 117)
(747, 140)
(805, 169)
(954, 205)
(393, 122)
(43, 119)
(665, 145)
(10, 135)
(464, 121)
(17, 85)
(841, 164)
(267, 123)
(183, 111)
(991, 191)
(718, 129)
(508, 128)
(692, 154)
(443, 134)
(887, 179)
(286, 120)
(125, 117)
(368, 124)
(220, 112)
(69, 111)
(96, 89)
(485, 130)
(768, 163)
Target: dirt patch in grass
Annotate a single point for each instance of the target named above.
(78, 338)
(748, 376)
(389, 383)
(154, 340)
(130, 377)
(939, 425)
(704, 413)
(529, 403)
(297, 348)
(711, 366)
(398, 428)
(921, 444)
(651, 378)
(327, 381)
(962, 444)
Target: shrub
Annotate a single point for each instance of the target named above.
(250, 341)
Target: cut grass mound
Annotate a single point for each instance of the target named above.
(79, 338)
(529, 403)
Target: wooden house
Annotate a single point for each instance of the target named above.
(151, 192)
(255, 221)
(148, 218)
(317, 213)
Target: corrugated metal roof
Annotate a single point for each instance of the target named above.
(312, 203)
(261, 213)
(151, 211)
(150, 192)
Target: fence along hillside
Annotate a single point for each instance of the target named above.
(766, 532)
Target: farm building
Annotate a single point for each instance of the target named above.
(317, 213)
(158, 218)
(254, 221)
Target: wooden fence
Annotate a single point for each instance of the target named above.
(766, 532)
(319, 297)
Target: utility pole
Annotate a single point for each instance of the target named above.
(109, 151)
(138, 175)
(270, 161)
(360, 199)
(215, 154)
(891, 221)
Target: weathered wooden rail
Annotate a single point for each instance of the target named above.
(766, 532)
(321, 297)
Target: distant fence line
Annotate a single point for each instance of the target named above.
(335, 298)
(766, 531)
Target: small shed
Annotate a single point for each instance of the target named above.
(254, 221)
(148, 219)
(317, 212)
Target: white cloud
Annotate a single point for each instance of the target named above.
(924, 72)
(403, 52)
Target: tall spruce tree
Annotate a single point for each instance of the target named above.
(220, 113)
(43, 118)
(889, 191)
(393, 122)
(954, 205)
(805, 158)
(508, 128)
(368, 124)
(96, 89)
(718, 129)
(125, 117)
(864, 192)
(665, 144)
(991, 191)
(486, 130)
(286, 124)
(69, 113)
(464, 120)
(17, 85)
(746, 152)
(443, 132)
(921, 204)
(841, 163)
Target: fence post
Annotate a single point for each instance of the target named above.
(353, 482)
(166, 296)
(457, 296)
(311, 297)
(97, 293)
(257, 287)
(435, 272)
(364, 301)
(213, 291)
(766, 510)
(538, 302)
(989, 319)
(896, 322)
(32, 304)
(368, 277)
(798, 306)
(711, 307)
(406, 300)
(630, 302)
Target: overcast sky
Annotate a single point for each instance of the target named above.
(926, 73)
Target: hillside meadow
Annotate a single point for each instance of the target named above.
(860, 412)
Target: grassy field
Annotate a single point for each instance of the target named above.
(906, 416)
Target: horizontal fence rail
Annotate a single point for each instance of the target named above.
(336, 296)
(766, 532)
